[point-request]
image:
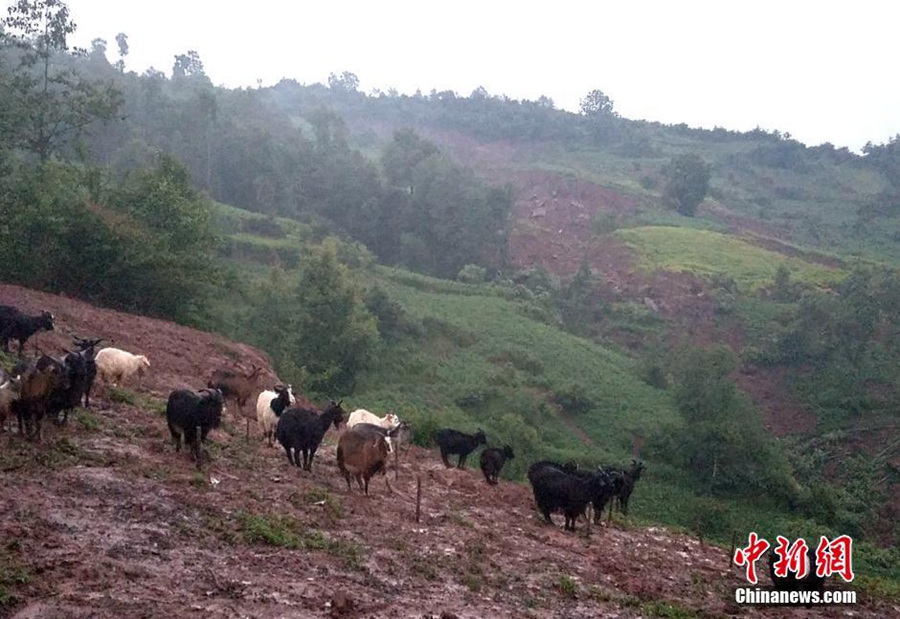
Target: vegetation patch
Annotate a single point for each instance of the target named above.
(13, 573)
(567, 586)
(288, 532)
(705, 253)
(316, 495)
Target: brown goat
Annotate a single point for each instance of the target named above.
(38, 384)
(362, 452)
(238, 388)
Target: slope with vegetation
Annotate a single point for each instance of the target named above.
(104, 519)
(581, 285)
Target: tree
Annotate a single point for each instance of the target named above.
(686, 184)
(346, 82)
(51, 105)
(401, 156)
(144, 246)
(596, 103)
(122, 43)
(580, 304)
(454, 218)
(723, 440)
(167, 267)
(187, 65)
(325, 335)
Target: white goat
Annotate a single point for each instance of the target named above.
(114, 365)
(9, 392)
(270, 405)
(388, 422)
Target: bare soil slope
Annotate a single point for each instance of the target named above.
(104, 520)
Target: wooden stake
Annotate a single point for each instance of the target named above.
(418, 498)
(733, 543)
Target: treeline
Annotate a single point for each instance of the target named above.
(102, 179)
(408, 202)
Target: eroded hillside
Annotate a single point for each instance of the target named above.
(104, 519)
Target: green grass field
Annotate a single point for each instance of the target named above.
(706, 254)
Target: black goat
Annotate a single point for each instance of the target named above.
(492, 461)
(791, 582)
(87, 349)
(82, 370)
(301, 430)
(14, 325)
(540, 465)
(456, 442)
(604, 493)
(192, 415)
(557, 490)
(625, 487)
(64, 399)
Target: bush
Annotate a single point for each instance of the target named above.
(573, 399)
(472, 274)
(687, 181)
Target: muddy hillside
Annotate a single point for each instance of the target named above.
(104, 520)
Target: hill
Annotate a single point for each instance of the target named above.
(103, 519)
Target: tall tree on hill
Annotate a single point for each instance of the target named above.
(597, 103)
(51, 105)
(687, 181)
(315, 324)
(600, 117)
(723, 440)
(187, 65)
(122, 43)
(401, 156)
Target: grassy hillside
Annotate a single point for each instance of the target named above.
(477, 356)
(707, 254)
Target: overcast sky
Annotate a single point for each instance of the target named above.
(822, 71)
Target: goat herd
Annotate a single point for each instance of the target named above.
(50, 387)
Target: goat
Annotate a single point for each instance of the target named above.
(492, 461)
(87, 349)
(62, 400)
(362, 452)
(115, 365)
(605, 492)
(269, 406)
(393, 437)
(301, 430)
(361, 415)
(192, 415)
(455, 442)
(626, 486)
(791, 582)
(14, 325)
(10, 389)
(555, 489)
(540, 465)
(238, 388)
(39, 384)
